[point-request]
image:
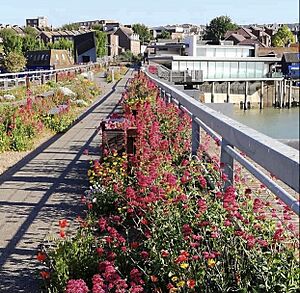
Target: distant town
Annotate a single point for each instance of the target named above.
(215, 58)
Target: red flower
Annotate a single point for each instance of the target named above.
(45, 275)
(191, 283)
(62, 234)
(41, 256)
(134, 245)
(63, 223)
(165, 253)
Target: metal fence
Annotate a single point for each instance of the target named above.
(269, 154)
(12, 80)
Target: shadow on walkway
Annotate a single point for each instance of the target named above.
(24, 281)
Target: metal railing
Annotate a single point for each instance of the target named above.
(12, 80)
(273, 156)
(179, 76)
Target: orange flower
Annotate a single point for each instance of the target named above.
(45, 275)
(154, 279)
(41, 257)
(63, 223)
(191, 283)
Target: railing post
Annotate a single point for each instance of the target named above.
(195, 136)
(6, 84)
(168, 98)
(246, 95)
(227, 161)
(261, 96)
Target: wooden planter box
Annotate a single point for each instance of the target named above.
(116, 138)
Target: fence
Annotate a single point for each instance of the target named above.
(12, 80)
(271, 155)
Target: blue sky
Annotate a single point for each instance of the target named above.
(150, 12)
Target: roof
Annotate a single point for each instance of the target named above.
(126, 30)
(237, 37)
(291, 57)
(251, 42)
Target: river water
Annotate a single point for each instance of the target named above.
(276, 123)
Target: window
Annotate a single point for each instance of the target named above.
(211, 69)
(56, 57)
(63, 56)
(226, 70)
(219, 69)
(242, 69)
(234, 69)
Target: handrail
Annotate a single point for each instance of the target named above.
(280, 160)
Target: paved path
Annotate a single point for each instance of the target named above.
(44, 187)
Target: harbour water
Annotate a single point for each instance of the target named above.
(276, 123)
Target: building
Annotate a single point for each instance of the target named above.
(166, 48)
(85, 48)
(113, 48)
(290, 65)
(48, 59)
(219, 62)
(105, 23)
(128, 40)
(40, 22)
(53, 36)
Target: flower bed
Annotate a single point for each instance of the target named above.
(161, 221)
(20, 125)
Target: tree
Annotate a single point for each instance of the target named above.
(217, 28)
(28, 30)
(165, 35)
(142, 31)
(62, 44)
(101, 43)
(283, 37)
(12, 43)
(14, 62)
(30, 43)
(70, 27)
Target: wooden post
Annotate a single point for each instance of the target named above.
(246, 95)
(261, 96)
(284, 94)
(27, 82)
(212, 92)
(228, 92)
(290, 94)
(275, 94)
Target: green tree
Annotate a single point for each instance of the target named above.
(30, 43)
(218, 27)
(70, 26)
(165, 35)
(62, 44)
(97, 27)
(28, 30)
(283, 37)
(101, 43)
(14, 62)
(7, 32)
(12, 43)
(143, 31)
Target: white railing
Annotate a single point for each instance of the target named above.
(273, 156)
(12, 80)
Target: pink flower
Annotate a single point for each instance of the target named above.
(76, 286)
